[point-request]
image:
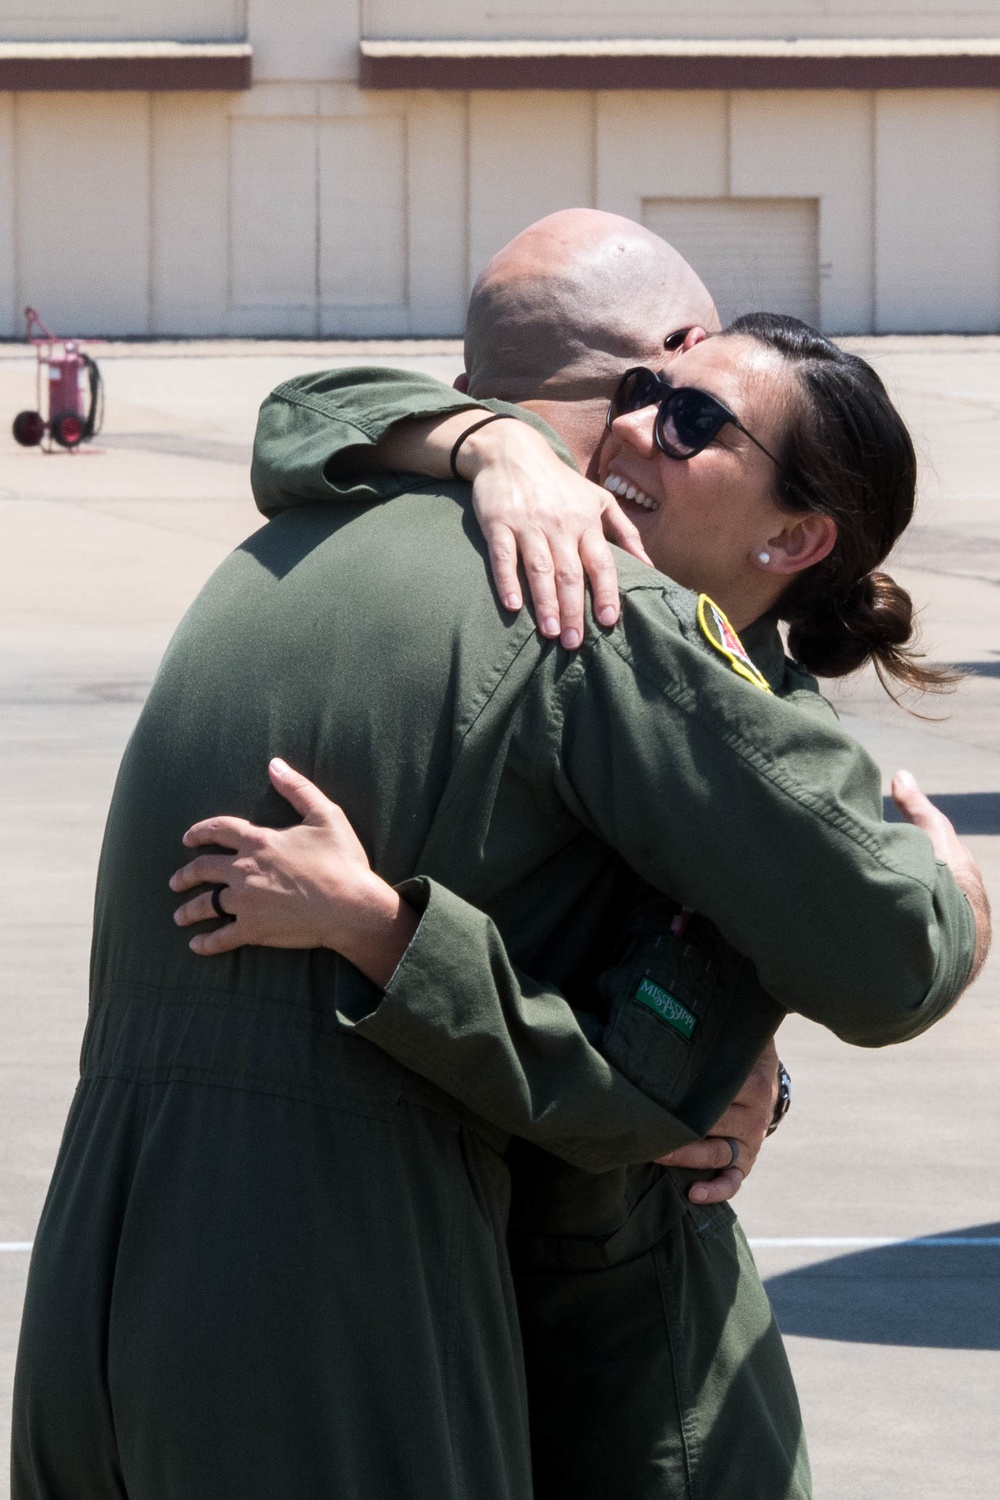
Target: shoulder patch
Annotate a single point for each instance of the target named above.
(719, 633)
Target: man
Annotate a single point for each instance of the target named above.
(272, 1260)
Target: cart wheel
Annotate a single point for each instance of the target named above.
(67, 429)
(29, 429)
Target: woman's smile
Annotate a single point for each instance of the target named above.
(628, 492)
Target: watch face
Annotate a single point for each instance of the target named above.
(784, 1100)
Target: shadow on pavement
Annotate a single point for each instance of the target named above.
(920, 1293)
(971, 812)
(978, 668)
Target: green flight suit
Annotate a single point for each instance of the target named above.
(655, 1368)
(654, 1364)
(272, 1258)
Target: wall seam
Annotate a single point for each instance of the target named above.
(593, 147)
(407, 224)
(229, 222)
(318, 209)
(873, 208)
(151, 256)
(996, 248)
(467, 198)
(16, 284)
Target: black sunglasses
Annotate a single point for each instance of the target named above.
(688, 419)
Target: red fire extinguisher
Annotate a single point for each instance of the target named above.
(69, 390)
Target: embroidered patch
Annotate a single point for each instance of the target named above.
(664, 1005)
(718, 632)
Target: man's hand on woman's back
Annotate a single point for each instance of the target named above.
(746, 1121)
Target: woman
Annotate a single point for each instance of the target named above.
(791, 453)
(792, 529)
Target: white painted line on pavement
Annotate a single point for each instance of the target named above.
(932, 1242)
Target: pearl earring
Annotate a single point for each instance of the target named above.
(763, 558)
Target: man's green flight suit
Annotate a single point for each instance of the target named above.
(272, 1260)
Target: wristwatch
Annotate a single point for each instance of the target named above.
(783, 1103)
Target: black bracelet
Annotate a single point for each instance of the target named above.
(783, 1103)
(498, 416)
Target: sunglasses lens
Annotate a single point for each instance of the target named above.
(689, 421)
(640, 388)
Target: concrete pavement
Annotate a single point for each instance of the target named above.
(896, 1349)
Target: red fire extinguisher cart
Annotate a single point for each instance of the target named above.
(70, 392)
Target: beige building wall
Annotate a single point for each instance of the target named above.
(680, 18)
(140, 20)
(295, 31)
(307, 206)
(937, 211)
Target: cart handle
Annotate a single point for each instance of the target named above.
(34, 321)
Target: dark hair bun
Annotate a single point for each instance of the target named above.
(837, 633)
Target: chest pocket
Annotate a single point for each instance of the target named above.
(687, 1017)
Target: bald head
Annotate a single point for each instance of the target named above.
(574, 300)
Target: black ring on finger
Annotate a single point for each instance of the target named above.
(227, 916)
(734, 1147)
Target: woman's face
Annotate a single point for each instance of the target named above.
(705, 519)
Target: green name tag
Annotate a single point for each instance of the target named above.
(663, 1004)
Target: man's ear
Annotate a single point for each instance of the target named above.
(461, 383)
(674, 342)
(803, 543)
(695, 335)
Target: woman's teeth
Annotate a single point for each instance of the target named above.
(626, 490)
